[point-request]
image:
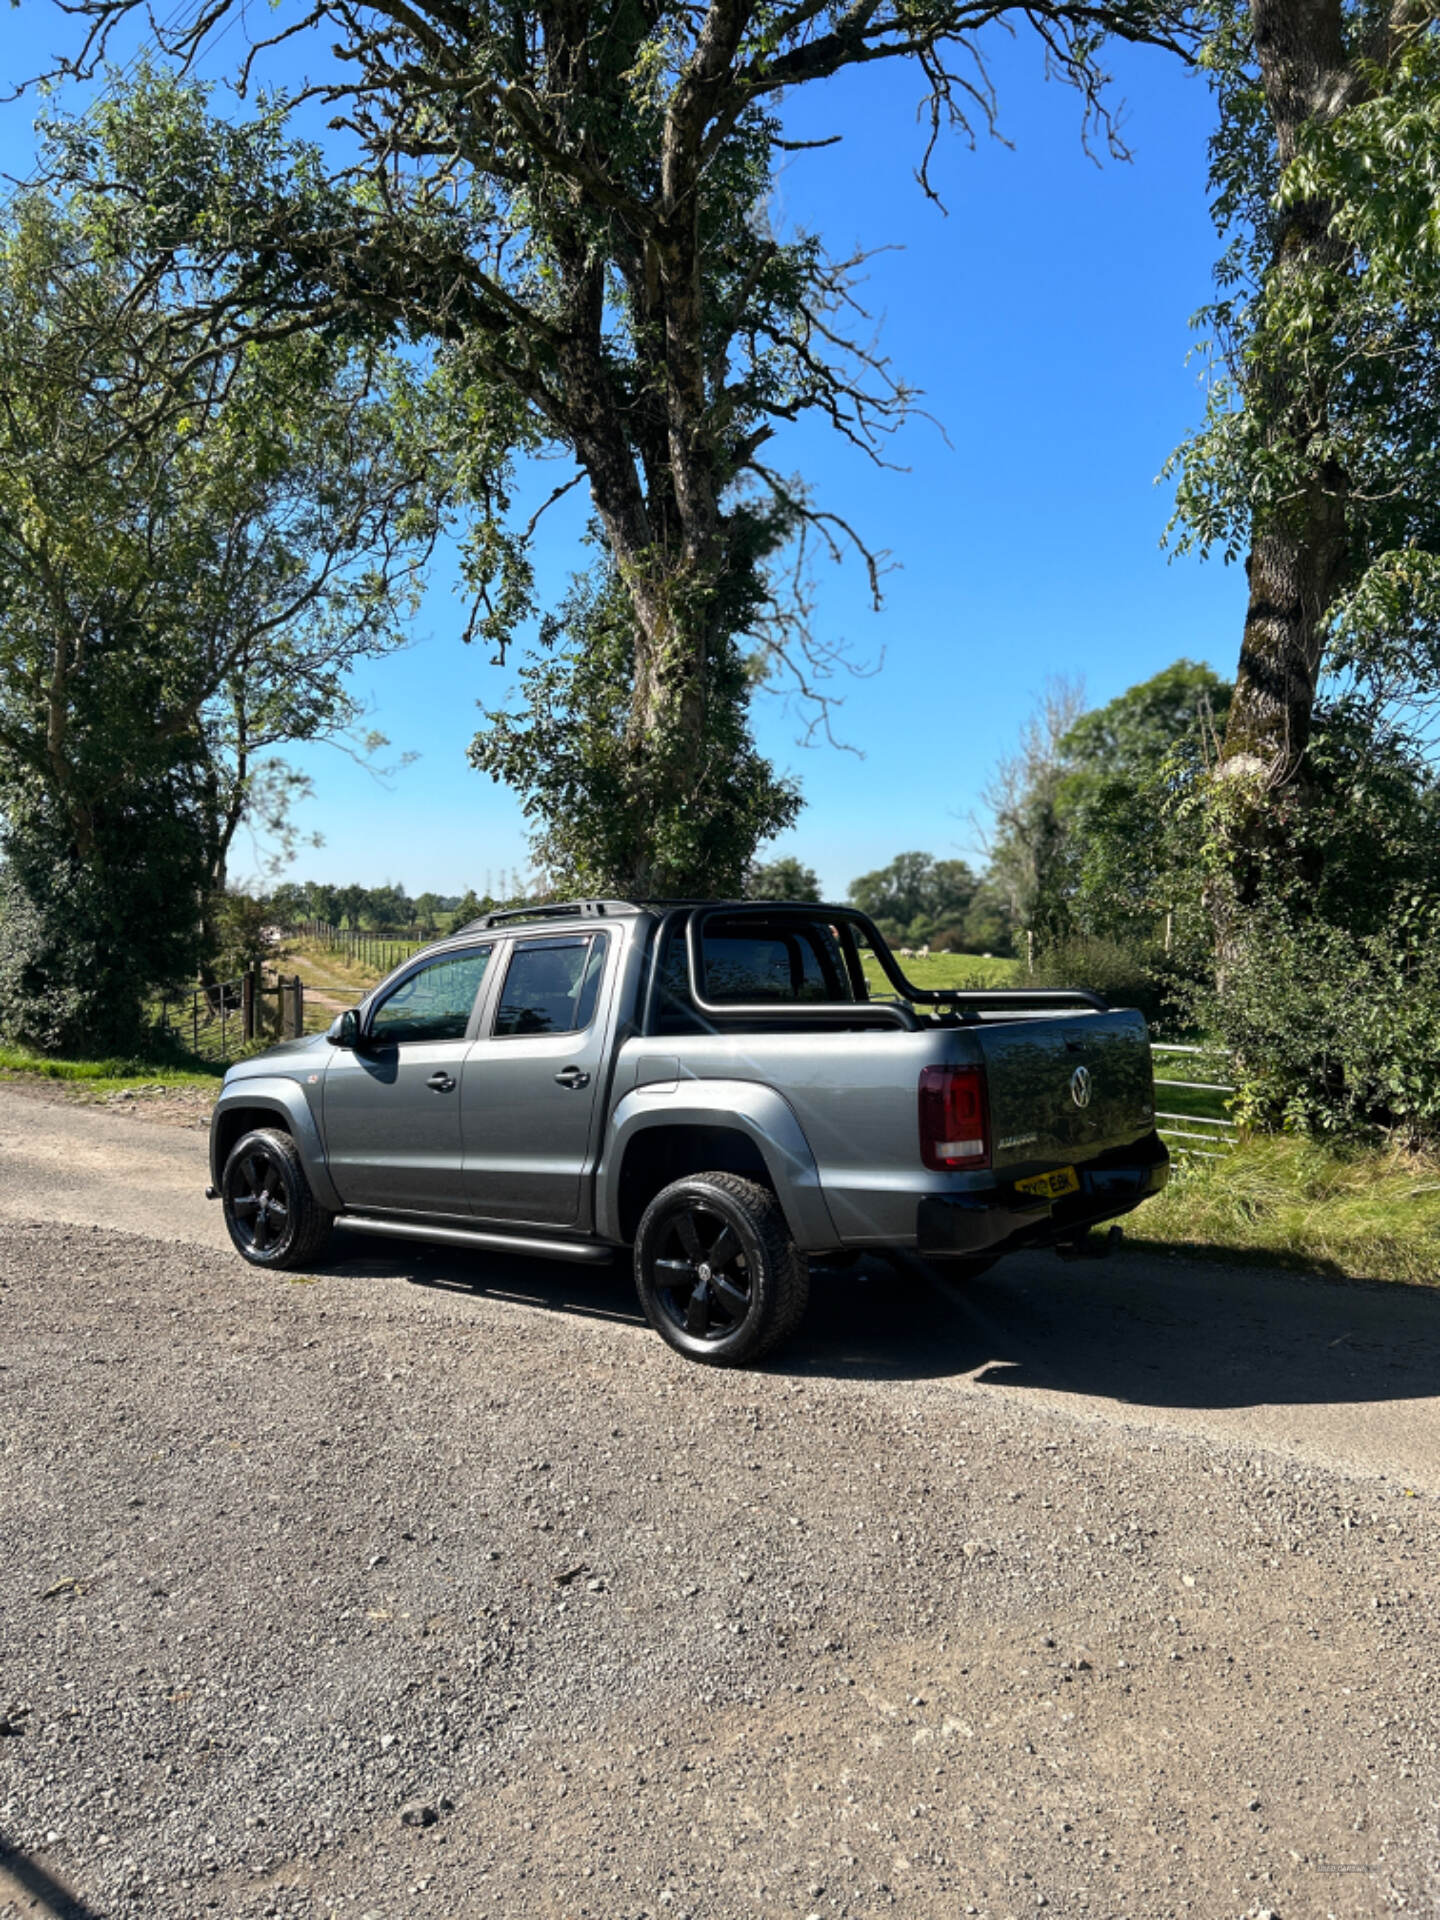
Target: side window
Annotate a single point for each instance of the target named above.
(551, 986)
(435, 1003)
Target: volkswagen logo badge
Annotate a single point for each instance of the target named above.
(1080, 1086)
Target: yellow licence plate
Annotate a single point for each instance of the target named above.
(1051, 1185)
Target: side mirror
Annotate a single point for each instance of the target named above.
(344, 1030)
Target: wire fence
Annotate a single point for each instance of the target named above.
(375, 952)
(219, 1021)
(1194, 1082)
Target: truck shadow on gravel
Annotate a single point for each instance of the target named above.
(41, 1891)
(1141, 1329)
(865, 1322)
(1164, 1332)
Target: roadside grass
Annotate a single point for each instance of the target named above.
(111, 1076)
(1354, 1213)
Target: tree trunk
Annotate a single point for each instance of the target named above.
(666, 734)
(665, 544)
(222, 812)
(1298, 549)
(1293, 572)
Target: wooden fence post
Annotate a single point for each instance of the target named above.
(247, 1005)
(297, 1008)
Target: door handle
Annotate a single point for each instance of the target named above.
(572, 1077)
(441, 1083)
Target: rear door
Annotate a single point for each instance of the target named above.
(392, 1108)
(531, 1083)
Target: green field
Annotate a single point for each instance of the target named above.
(332, 965)
(943, 970)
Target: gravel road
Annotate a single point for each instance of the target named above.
(434, 1586)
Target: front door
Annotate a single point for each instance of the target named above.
(392, 1107)
(528, 1100)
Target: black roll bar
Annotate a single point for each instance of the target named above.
(839, 1013)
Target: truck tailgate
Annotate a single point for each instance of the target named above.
(1064, 1089)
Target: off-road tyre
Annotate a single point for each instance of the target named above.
(756, 1291)
(291, 1228)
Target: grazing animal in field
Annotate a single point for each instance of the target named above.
(907, 953)
(922, 953)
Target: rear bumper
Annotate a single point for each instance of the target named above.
(969, 1224)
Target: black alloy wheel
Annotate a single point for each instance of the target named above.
(259, 1203)
(270, 1213)
(718, 1273)
(703, 1281)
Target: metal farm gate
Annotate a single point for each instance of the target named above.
(218, 1022)
(1193, 1082)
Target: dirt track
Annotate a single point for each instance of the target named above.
(1003, 1601)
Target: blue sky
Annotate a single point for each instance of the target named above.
(1045, 318)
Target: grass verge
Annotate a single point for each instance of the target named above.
(109, 1076)
(1352, 1212)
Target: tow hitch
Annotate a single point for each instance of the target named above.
(1091, 1246)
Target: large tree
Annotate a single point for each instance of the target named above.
(1106, 838)
(572, 201)
(198, 537)
(1317, 460)
(916, 896)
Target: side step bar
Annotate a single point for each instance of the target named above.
(588, 1252)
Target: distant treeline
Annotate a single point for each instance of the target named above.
(383, 910)
(916, 900)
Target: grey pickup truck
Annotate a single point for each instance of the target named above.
(711, 1084)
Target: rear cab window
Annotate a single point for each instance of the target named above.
(755, 959)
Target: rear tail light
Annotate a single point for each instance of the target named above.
(954, 1121)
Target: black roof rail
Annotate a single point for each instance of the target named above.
(563, 910)
(599, 909)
